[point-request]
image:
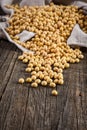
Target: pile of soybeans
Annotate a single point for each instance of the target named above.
(53, 25)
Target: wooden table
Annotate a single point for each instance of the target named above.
(26, 108)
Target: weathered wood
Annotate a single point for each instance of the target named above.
(26, 108)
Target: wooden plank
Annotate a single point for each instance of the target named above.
(26, 108)
(7, 61)
(72, 117)
(13, 102)
(35, 109)
(5, 49)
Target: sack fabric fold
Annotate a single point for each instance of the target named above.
(77, 37)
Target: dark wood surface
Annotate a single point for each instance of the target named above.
(25, 108)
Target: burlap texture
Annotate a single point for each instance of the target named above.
(77, 36)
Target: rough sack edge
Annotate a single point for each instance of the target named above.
(34, 2)
(77, 37)
(9, 39)
(4, 34)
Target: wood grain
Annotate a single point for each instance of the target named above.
(25, 108)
